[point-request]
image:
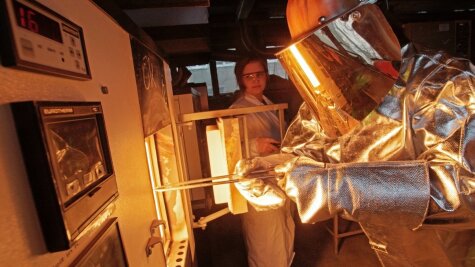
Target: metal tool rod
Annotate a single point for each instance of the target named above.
(203, 221)
(218, 180)
(254, 174)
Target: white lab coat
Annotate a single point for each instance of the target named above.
(262, 124)
(269, 235)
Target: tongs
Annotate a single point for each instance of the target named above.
(216, 180)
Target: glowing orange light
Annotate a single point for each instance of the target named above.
(303, 64)
(218, 164)
(152, 175)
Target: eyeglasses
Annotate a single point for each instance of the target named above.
(254, 75)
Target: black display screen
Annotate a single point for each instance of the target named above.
(78, 154)
(36, 22)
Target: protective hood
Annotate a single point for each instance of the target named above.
(345, 67)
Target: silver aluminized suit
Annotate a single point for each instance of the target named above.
(406, 173)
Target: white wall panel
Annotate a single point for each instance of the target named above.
(110, 59)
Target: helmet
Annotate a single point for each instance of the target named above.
(303, 16)
(343, 62)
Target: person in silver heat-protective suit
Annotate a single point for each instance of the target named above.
(392, 150)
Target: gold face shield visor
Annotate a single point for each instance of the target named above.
(345, 68)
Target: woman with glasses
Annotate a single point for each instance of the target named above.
(269, 234)
(263, 128)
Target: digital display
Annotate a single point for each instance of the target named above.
(79, 157)
(36, 22)
(67, 158)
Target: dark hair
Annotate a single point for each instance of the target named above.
(239, 68)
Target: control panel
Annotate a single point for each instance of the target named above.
(40, 39)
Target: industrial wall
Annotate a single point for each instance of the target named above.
(110, 59)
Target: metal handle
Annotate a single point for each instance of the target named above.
(152, 241)
(155, 224)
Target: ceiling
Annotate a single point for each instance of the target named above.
(193, 32)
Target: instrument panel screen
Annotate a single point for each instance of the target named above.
(36, 22)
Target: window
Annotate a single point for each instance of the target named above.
(226, 79)
(276, 68)
(201, 74)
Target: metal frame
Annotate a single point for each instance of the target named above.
(335, 232)
(184, 119)
(213, 114)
